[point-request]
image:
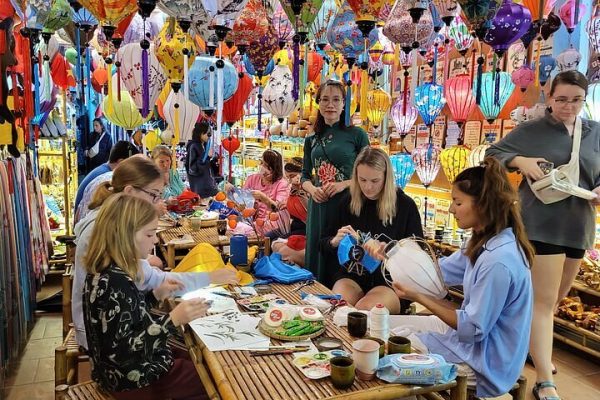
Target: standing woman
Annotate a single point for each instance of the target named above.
(329, 155)
(560, 231)
(163, 158)
(99, 151)
(197, 162)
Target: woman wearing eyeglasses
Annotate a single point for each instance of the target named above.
(137, 176)
(560, 231)
(329, 156)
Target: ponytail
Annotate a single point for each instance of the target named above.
(497, 203)
(103, 192)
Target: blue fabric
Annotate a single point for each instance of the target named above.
(273, 268)
(101, 169)
(494, 320)
(349, 252)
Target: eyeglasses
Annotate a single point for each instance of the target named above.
(562, 101)
(156, 197)
(335, 101)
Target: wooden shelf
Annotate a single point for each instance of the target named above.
(583, 339)
(582, 287)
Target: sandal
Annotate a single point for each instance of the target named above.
(542, 385)
(529, 360)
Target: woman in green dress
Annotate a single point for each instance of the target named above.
(329, 156)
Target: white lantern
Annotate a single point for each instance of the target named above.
(181, 115)
(277, 96)
(568, 60)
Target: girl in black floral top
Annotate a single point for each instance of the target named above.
(128, 346)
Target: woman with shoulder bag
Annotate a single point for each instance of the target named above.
(560, 226)
(197, 162)
(99, 152)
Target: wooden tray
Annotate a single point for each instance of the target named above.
(270, 332)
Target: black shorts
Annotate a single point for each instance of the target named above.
(366, 281)
(547, 249)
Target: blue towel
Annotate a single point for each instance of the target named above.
(273, 268)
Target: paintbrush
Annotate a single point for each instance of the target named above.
(272, 352)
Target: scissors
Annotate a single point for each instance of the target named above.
(335, 303)
(303, 284)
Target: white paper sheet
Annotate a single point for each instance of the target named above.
(230, 331)
(220, 304)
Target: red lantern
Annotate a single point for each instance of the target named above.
(315, 65)
(233, 108)
(459, 95)
(231, 144)
(61, 73)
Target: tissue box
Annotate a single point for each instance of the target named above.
(416, 369)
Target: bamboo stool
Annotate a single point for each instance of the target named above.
(82, 391)
(67, 290)
(517, 392)
(67, 357)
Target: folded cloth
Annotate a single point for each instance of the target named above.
(272, 267)
(297, 242)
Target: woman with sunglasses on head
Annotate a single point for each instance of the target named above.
(137, 176)
(329, 156)
(560, 230)
(197, 162)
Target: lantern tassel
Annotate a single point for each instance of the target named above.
(296, 87)
(220, 90)
(211, 89)
(364, 88)
(145, 85)
(413, 82)
(405, 93)
(79, 73)
(434, 68)
(118, 79)
(186, 68)
(537, 63)
(479, 77)
(304, 77)
(446, 62)
(46, 77)
(260, 90)
(348, 98)
(88, 78)
(176, 131)
(109, 106)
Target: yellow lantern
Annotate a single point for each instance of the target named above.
(454, 160)
(309, 100)
(283, 57)
(378, 104)
(124, 113)
(152, 140)
(171, 44)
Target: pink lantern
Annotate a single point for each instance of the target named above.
(459, 96)
(283, 27)
(404, 119)
(400, 28)
(570, 15)
(522, 77)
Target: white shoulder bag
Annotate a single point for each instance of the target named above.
(560, 182)
(95, 149)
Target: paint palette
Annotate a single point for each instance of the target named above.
(260, 303)
(316, 365)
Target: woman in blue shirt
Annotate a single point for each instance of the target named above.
(488, 336)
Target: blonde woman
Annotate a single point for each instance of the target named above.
(127, 344)
(372, 205)
(163, 158)
(139, 177)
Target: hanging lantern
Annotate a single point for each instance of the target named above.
(315, 65)
(61, 72)
(321, 24)
(123, 113)
(250, 25)
(510, 23)
(170, 46)
(454, 160)
(496, 88)
(302, 13)
(593, 30)
(233, 108)
(477, 155)
(261, 52)
(570, 15)
(181, 115)
(140, 29)
(400, 28)
(568, 60)
(250, 68)
(376, 51)
(429, 101)
(141, 74)
(345, 36)
(460, 34)
(550, 25)
(403, 167)
(592, 102)
(404, 119)
(37, 13)
(522, 77)
(184, 11)
(438, 24)
(284, 30)
(203, 81)
(378, 104)
(50, 49)
(458, 94)
(448, 10)
(110, 12)
(547, 64)
(59, 16)
(478, 14)
(366, 12)
(426, 158)
(224, 13)
(277, 96)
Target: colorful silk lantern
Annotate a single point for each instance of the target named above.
(36, 14)
(454, 160)
(83, 17)
(570, 14)
(478, 13)
(448, 10)
(546, 64)
(378, 104)
(426, 158)
(315, 66)
(376, 51)
(110, 12)
(181, 115)
(142, 74)
(261, 52)
(250, 68)
(302, 13)
(59, 16)
(510, 23)
(224, 13)
(321, 24)
(592, 102)
(404, 117)
(477, 154)
(400, 29)
(61, 72)
(429, 101)
(171, 44)
(403, 167)
(522, 77)
(568, 60)
(140, 28)
(233, 108)
(282, 25)
(184, 11)
(277, 96)
(250, 25)
(460, 34)
(496, 88)
(366, 12)
(458, 94)
(123, 113)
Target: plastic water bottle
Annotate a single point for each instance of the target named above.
(380, 322)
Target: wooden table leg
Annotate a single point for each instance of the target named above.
(170, 256)
(460, 391)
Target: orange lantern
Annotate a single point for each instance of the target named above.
(233, 108)
(110, 12)
(315, 65)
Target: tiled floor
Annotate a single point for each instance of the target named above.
(578, 375)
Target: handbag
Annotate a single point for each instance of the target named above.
(550, 189)
(95, 149)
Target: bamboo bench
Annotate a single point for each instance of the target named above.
(82, 391)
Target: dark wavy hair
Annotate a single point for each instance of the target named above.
(497, 203)
(274, 162)
(320, 122)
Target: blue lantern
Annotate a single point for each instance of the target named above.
(83, 17)
(403, 167)
(250, 68)
(321, 24)
(496, 88)
(547, 64)
(429, 100)
(204, 80)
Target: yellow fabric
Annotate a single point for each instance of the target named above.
(205, 258)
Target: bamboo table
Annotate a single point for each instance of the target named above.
(236, 375)
(203, 235)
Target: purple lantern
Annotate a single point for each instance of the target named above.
(510, 23)
(404, 117)
(523, 76)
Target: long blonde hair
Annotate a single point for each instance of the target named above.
(120, 218)
(386, 203)
(137, 171)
